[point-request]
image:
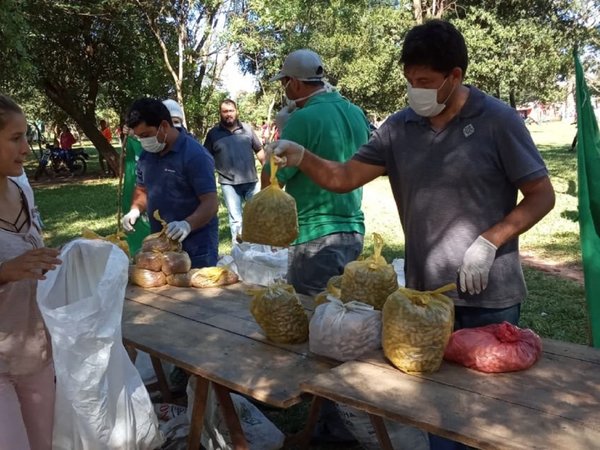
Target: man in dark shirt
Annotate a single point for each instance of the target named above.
(175, 175)
(233, 144)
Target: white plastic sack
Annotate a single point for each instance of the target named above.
(260, 432)
(101, 402)
(344, 331)
(398, 265)
(402, 437)
(260, 264)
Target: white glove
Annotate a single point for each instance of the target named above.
(129, 219)
(476, 265)
(287, 153)
(178, 230)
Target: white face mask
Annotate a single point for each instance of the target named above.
(151, 144)
(293, 104)
(424, 101)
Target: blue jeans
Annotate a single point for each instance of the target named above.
(311, 264)
(469, 317)
(233, 196)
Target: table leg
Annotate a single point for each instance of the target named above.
(380, 431)
(198, 410)
(162, 380)
(231, 418)
(302, 438)
(131, 352)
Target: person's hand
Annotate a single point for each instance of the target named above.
(30, 265)
(476, 265)
(287, 153)
(178, 230)
(129, 219)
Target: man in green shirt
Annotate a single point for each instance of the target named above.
(331, 226)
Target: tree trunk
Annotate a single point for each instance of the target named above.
(418, 11)
(511, 96)
(87, 122)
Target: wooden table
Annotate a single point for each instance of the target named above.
(212, 334)
(553, 405)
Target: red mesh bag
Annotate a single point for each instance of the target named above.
(501, 347)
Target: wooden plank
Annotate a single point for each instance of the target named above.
(380, 431)
(458, 414)
(569, 350)
(198, 412)
(228, 313)
(238, 439)
(235, 292)
(568, 387)
(266, 373)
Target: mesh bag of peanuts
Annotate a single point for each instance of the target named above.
(416, 328)
(344, 331)
(270, 217)
(333, 289)
(278, 311)
(117, 238)
(369, 281)
(204, 278)
(161, 261)
(159, 242)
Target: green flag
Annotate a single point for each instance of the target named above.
(588, 173)
(142, 227)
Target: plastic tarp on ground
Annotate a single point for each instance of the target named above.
(101, 401)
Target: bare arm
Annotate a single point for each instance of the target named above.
(338, 177)
(206, 210)
(140, 199)
(260, 155)
(538, 200)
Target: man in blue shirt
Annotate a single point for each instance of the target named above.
(175, 175)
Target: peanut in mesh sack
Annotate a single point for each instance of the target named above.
(333, 288)
(159, 242)
(416, 328)
(270, 217)
(117, 238)
(370, 281)
(278, 311)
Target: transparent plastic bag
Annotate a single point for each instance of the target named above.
(278, 311)
(369, 281)
(499, 347)
(416, 328)
(332, 289)
(270, 216)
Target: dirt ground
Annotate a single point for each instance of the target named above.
(553, 267)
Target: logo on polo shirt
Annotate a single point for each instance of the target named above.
(170, 170)
(468, 130)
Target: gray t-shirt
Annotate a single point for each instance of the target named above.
(450, 186)
(233, 152)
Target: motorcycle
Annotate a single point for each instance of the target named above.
(55, 161)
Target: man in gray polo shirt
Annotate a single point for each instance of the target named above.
(456, 159)
(233, 144)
